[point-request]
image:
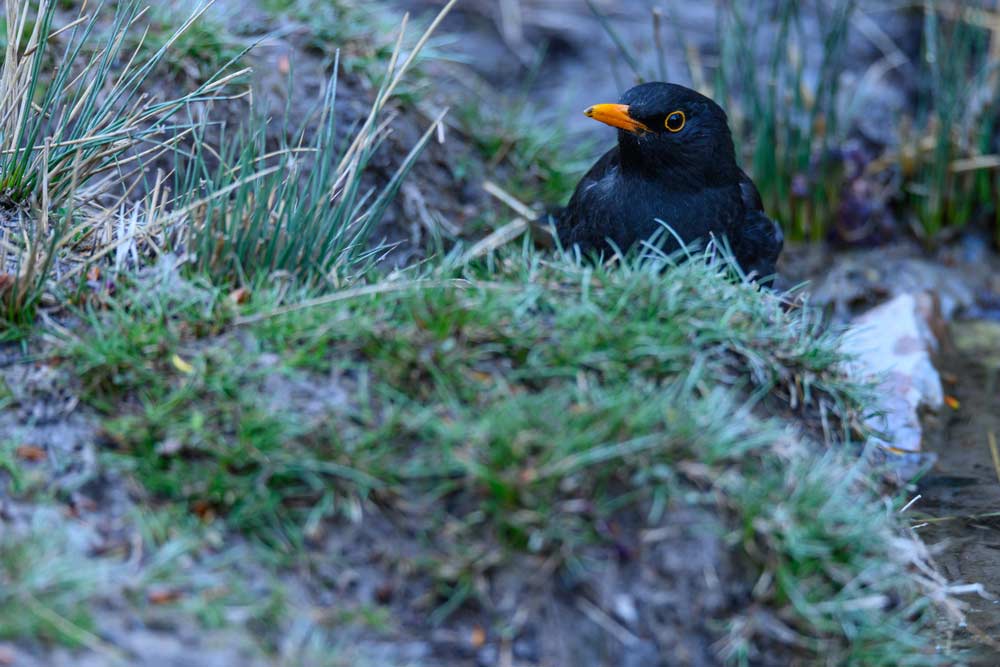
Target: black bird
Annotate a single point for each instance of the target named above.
(675, 162)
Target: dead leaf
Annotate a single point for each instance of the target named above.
(952, 402)
(94, 274)
(181, 365)
(203, 510)
(163, 595)
(481, 376)
(478, 637)
(32, 453)
(239, 295)
(384, 593)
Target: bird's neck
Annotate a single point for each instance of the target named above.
(678, 174)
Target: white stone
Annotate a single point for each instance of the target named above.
(892, 345)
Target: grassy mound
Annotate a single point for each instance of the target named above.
(536, 410)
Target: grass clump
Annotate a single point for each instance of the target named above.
(243, 209)
(85, 121)
(306, 209)
(794, 130)
(62, 131)
(516, 412)
(949, 149)
(789, 127)
(834, 559)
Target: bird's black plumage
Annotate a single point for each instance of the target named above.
(674, 163)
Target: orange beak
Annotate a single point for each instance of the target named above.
(616, 115)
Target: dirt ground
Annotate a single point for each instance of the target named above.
(961, 494)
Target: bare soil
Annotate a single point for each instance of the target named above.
(961, 494)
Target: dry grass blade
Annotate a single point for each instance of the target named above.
(911, 502)
(395, 76)
(510, 200)
(995, 453)
(496, 240)
(78, 634)
(976, 163)
(354, 293)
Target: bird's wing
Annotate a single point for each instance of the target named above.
(750, 194)
(760, 239)
(568, 220)
(608, 161)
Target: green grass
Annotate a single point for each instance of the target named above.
(19, 479)
(441, 394)
(304, 209)
(227, 193)
(791, 129)
(82, 118)
(181, 577)
(956, 111)
(787, 126)
(197, 53)
(46, 585)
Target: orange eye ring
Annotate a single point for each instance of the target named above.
(675, 121)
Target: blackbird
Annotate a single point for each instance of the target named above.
(675, 164)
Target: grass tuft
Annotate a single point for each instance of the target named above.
(305, 209)
(62, 130)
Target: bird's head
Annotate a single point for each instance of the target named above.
(664, 127)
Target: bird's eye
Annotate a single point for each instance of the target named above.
(675, 121)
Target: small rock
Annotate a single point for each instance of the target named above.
(625, 609)
(866, 278)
